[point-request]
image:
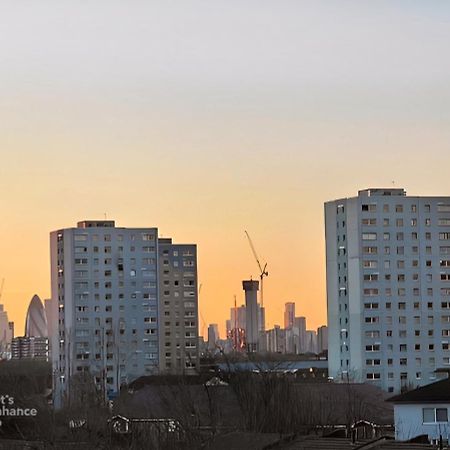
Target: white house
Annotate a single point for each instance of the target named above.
(423, 411)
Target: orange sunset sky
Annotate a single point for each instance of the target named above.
(208, 118)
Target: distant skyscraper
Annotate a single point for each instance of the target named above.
(228, 327)
(289, 314)
(388, 287)
(311, 341)
(322, 338)
(213, 336)
(276, 340)
(252, 327)
(120, 296)
(261, 318)
(6, 334)
(237, 317)
(300, 331)
(36, 320)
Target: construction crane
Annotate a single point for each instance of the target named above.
(263, 270)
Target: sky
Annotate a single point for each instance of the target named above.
(206, 119)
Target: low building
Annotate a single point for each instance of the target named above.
(30, 348)
(423, 411)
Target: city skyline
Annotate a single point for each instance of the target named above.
(159, 116)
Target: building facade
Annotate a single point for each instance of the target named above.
(115, 311)
(388, 287)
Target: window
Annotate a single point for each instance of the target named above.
(370, 264)
(370, 292)
(369, 236)
(372, 319)
(373, 376)
(435, 415)
(367, 277)
(369, 208)
(373, 348)
(399, 208)
(444, 236)
(372, 334)
(444, 222)
(443, 208)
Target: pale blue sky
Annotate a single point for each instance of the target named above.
(250, 114)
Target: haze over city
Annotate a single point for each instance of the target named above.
(206, 120)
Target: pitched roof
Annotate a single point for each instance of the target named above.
(435, 392)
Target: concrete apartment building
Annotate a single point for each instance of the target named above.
(178, 308)
(126, 304)
(388, 287)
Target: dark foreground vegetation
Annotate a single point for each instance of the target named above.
(201, 408)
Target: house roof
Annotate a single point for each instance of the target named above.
(431, 393)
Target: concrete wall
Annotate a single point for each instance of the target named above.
(409, 422)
